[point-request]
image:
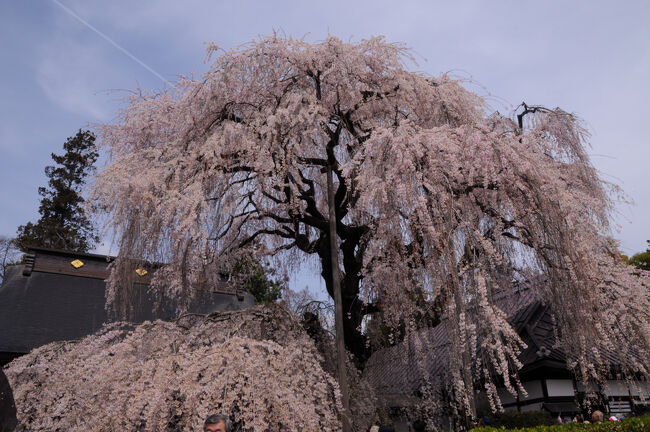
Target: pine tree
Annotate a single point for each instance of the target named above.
(259, 280)
(63, 223)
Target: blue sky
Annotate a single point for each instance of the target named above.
(587, 57)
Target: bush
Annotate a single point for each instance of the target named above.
(632, 424)
(258, 365)
(522, 419)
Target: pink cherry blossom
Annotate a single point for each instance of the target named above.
(442, 205)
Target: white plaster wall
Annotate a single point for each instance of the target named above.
(559, 387)
(591, 387)
(616, 388)
(637, 388)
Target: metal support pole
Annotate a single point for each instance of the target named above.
(338, 302)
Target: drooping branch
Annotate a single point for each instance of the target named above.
(526, 109)
(437, 201)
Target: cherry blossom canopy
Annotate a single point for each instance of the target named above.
(441, 205)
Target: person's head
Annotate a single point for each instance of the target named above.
(418, 426)
(217, 423)
(597, 416)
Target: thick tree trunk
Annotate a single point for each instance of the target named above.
(353, 308)
(338, 305)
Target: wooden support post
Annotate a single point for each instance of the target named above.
(338, 302)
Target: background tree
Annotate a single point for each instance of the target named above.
(9, 255)
(641, 260)
(63, 223)
(258, 279)
(440, 204)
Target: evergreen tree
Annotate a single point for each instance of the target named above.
(63, 223)
(641, 260)
(258, 280)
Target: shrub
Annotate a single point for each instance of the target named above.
(522, 419)
(632, 424)
(258, 366)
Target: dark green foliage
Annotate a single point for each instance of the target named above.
(642, 259)
(258, 280)
(633, 424)
(522, 419)
(63, 223)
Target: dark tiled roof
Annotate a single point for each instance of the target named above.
(534, 324)
(424, 356)
(391, 372)
(48, 299)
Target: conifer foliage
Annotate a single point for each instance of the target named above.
(63, 223)
(258, 279)
(641, 260)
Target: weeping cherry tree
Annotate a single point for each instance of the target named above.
(440, 203)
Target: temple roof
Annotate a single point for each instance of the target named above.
(391, 372)
(52, 298)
